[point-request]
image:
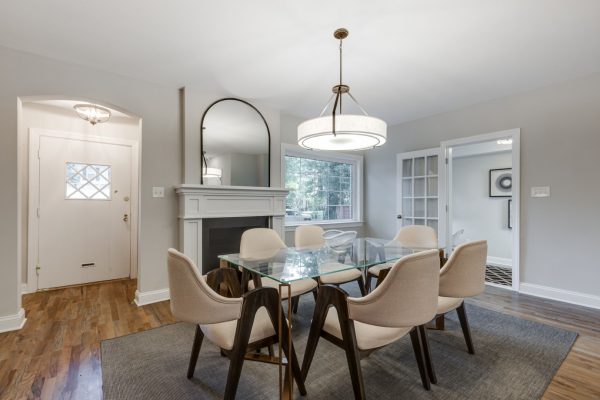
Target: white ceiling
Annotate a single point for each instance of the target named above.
(403, 59)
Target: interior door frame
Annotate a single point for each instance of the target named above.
(446, 170)
(422, 153)
(33, 202)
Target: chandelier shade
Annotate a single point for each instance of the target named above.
(342, 132)
(352, 132)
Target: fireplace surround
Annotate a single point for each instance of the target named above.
(207, 208)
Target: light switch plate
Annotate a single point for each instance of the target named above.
(158, 191)
(540, 191)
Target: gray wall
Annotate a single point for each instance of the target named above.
(23, 74)
(560, 143)
(473, 210)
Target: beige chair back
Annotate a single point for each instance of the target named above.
(309, 236)
(192, 300)
(407, 297)
(257, 243)
(463, 275)
(417, 236)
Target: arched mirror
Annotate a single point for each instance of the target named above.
(235, 145)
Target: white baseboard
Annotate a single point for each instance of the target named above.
(499, 261)
(153, 296)
(580, 299)
(13, 322)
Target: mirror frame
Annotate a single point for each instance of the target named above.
(202, 135)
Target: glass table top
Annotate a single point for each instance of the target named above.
(292, 264)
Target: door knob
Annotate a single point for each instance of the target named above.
(399, 216)
(125, 217)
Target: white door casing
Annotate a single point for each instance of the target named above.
(80, 236)
(445, 190)
(418, 185)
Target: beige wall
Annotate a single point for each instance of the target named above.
(23, 74)
(560, 143)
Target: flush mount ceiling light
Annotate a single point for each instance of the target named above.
(92, 113)
(342, 131)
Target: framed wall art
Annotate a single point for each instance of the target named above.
(501, 182)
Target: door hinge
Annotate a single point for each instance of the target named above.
(37, 269)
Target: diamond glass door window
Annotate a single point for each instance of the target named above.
(88, 181)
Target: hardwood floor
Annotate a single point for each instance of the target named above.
(57, 354)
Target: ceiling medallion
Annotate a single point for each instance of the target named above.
(339, 131)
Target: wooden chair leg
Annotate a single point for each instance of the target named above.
(195, 351)
(464, 324)
(426, 350)
(417, 344)
(368, 283)
(361, 285)
(314, 334)
(295, 301)
(352, 356)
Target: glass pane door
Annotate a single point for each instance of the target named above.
(418, 188)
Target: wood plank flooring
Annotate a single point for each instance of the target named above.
(57, 354)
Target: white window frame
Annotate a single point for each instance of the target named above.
(357, 183)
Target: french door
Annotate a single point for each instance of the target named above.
(418, 188)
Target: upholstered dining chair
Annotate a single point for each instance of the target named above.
(237, 325)
(308, 236)
(260, 243)
(400, 305)
(411, 236)
(462, 276)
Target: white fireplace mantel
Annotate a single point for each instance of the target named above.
(197, 202)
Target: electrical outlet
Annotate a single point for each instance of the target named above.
(158, 191)
(540, 191)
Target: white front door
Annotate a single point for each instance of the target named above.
(417, 190)
(84, 211)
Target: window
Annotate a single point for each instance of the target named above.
(87, 181)
(324, 187)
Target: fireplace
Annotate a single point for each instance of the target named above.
(222, 236)
(213, 218)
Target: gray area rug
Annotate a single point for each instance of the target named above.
(515, 359)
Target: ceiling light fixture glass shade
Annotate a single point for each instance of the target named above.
(92, 113)
(342, 132)
(212, 173)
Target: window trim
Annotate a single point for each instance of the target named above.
(356, 160)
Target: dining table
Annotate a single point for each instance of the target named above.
(290, 264)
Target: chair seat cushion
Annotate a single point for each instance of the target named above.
(341, 277)
(223, 333)
(446, 304)
(367, 336)
(374, 270)
(298, 287)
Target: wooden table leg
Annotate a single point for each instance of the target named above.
(286, 388)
